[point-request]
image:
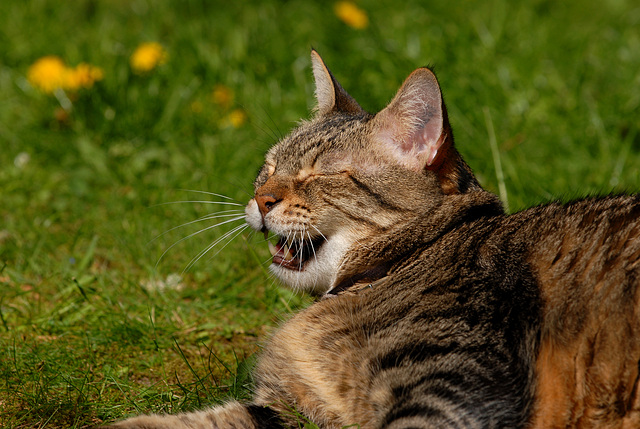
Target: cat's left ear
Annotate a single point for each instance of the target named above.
(330, 95)
(414, 125)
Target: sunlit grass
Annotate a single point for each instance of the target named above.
(96, 321)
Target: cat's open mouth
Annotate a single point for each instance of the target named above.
(294, 254)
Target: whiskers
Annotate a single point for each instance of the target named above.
(221, 218)
(297, 252)
(228, 236)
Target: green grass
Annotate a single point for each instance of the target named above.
(85, 337)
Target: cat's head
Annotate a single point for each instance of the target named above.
(345, 182)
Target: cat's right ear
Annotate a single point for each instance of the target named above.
(330, 95)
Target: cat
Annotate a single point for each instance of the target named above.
(435, 309)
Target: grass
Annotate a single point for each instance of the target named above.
(94, 324)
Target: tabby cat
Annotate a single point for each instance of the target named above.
(435, 309)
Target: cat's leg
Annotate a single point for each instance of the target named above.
(231, 415)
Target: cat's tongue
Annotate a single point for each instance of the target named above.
(287, 255)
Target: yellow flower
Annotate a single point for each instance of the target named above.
(351, 14)
(222, 96)
(148, 56)
(50, 73)
(83, 76)
(236, 118)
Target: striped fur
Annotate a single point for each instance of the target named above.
(435, 309)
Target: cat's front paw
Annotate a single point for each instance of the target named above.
(154, 421)
(231, 415)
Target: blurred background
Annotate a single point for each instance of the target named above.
(117, 116)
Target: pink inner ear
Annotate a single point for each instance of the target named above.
(412, 141)
(432, 138)
(411, 126)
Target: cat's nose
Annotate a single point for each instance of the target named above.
(265, 203)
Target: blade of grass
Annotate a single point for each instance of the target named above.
(495, 152)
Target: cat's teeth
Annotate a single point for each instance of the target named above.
(287, 253)
(285, 249)
(272, 249)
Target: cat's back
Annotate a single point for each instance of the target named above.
(585, 257)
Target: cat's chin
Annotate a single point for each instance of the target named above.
(313, 272)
